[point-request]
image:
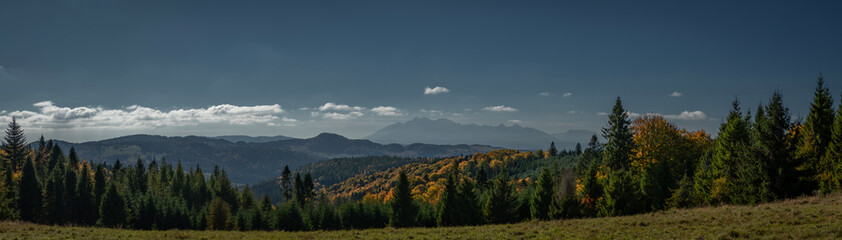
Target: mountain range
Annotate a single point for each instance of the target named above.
(248, 162)
(444, 131)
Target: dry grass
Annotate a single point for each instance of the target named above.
(803, 218)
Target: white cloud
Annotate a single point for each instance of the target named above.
(342, 116)
(435, 90)
(574, 112)
(138, 117)
(633, 115)
(602, 114)
(386, 111)
(544, 94)
(500, 108)
(515, 121)
(685, 115)
(286, 119)
(567, 94)
(676, 94)
(339, 107)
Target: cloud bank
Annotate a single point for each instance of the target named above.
(51, 116)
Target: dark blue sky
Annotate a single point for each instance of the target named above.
(94, 59)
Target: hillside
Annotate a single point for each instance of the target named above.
(444, 131)
(428, 177)
(248, 162)
(814, 217)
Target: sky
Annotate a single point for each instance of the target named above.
(91, 70)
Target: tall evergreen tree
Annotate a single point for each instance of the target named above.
(72, 158)
(771, 128)
(219, 215)
(53, 202)
(619, 197)
(29, 201)
(286, 188)
(8, 201)
(69, 196)
(448, 205)
(404, 210)
(482, 178)
(578, 149)
(14, 146)
(470, 212)
(617, 149)
(543, 196)
(817, 129)
(500, 206)
(833, 155)
(112, 210)
(552, 150)
(84, 210)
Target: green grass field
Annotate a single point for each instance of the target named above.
(802, 218)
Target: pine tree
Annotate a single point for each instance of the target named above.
(482, 178)
(53, 192)
(448, 209)
(833, 156)
(286, 189)
(817, 131)
(99, 184)
(84, 210)
(500, 206)
(404, 210)
(29, 201)
(219, 215)
(14, 150)
(112, 210)
(543, 197)
(771, 127)
(8, 197)
(578, 149)
(69, 194)
(619, 197)
(552, 150)
(299, 190)
(470, 212)
(72, 158)
(617, 151)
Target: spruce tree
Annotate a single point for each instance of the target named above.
(404, 210)
(470, 212)
(29, 201)
(286, 188)
(500, 206)
(219, 215)
(543, 197)
(771, 127)
(482, 178)
(8, 197)
(72, 158)
(448, 209)
(833, 156)
(817, 130)
(14, 146)
(552, 150)
(84, 210)
(53, 190)
(112, 210)
(619, 197)
(69, 196)
(99, 183)
(617, 149)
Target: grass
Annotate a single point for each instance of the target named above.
(803, 218)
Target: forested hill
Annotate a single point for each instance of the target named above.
(248, 162)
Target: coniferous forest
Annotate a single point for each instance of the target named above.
(644, 165)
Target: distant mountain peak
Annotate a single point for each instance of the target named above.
(446, 131)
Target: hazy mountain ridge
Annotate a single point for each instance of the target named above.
(250, 139)
(444, 131)
(249, 162)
